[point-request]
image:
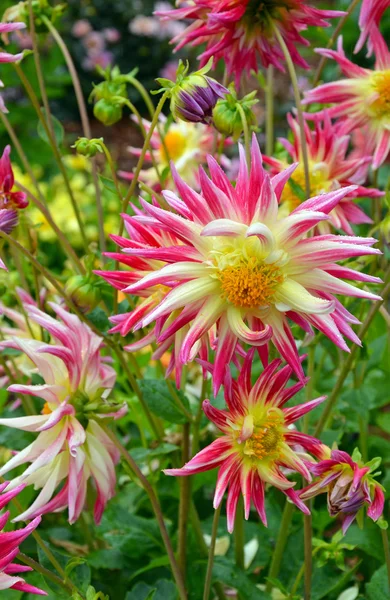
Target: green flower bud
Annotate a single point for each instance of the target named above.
(40, 8)
(83, 292)
(107, 112)
(227, 117)
(88, 147)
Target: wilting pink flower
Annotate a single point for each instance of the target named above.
(241, 32)
(350, 486)
(370, 15)
(362, 99)
(240, 271)
(9, 548)
(71, 446)
(257, 440)
(5, 28)
(329, 169)
(186, 144)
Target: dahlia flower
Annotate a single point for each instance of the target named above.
(257, 440)
(329, 169)
(187, 144)
(350, 486)
(5, 28)
(71, 446)
(370, 15)
(362, 99)
(9, 548)
(240, 32)
(240, 271)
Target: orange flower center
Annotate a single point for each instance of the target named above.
(265, 439)
(173, 146)
(249, 285)
(46, 410)
(381, 85)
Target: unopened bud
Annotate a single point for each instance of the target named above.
(83, 292)
(227, 117)
(88, 147)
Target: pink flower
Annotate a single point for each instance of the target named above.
(370, 15)
(9, 548)
(350, 486)
(257, 440)
(240, 271)
(5, 28)
(71, 446)
(241, 32)
(362, 99)
(330, 169)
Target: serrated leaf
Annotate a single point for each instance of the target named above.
(160, 401)
(58, 130)
(378, 587)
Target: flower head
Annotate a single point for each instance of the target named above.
(241, 32)
(9, 548)
(71, 446)
(240, 270)
(227, 117)
(329, 169)
(257, 440)
(350, 486)
(362, 99)
(370, 15)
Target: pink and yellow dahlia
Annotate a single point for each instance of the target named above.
(71, 447)
(241, 270)
(370, 15)
(257, 441)
(186, 144)
(241, 32)
(362, 99)
(329, 169)
(349, 483)
(9, 548)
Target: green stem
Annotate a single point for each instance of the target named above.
(239, 536)
(297, 580)
(198, 417)
(280, 544)
(351, 357)
(43, 571)
(247, 137)
(84, 121)
(385, 542)
(332, 40)
(269, 106)
(157, 511)
(308, 549)
(209, 572)
(310, 383)
(297, 96)
(184, 503)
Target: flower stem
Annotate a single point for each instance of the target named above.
(209, 572)
(156, 508)
(308, 549)
(43, 571)
(386, 549)
(280, 544)
(351, 357)
(269, 106)
(297, 96)
(239, 536)
(246, 134)
(185, 496)
(84, 121)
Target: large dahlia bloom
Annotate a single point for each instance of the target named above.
(186, 144)
(350, 486)
(241, 271)
(329, 169)
(241, 32)
(370, 15)
(257, 440)
(9, 548)
(71, 446)
(362, 99)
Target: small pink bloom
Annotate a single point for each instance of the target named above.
(329, 169)
(81, 28)
(350, 486)
(257, 440)
(8, 198)
(6, 28)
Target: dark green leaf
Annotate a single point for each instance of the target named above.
(378, 588)
(160, 401)
(57, 129)
(99, 318)
(226, 572)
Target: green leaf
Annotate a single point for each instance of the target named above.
(160, 401)
(226, 572)
(367, 540)
(144, 454)
(383, 420)
(108, 184)
(378, 587)
(57, 129)
(99, 318)
(160, 590)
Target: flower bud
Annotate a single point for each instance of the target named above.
(83, 292)
(193, 96)
(227, 116)
(88, 147)
(107, 112)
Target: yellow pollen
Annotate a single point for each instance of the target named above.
(265, 440)
(249, 285)
(319, 184)
(46, 409)
(381, 85)
(175, 144)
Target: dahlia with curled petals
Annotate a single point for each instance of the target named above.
(240, 271)
(9, 548)
(349, 483)
(241, 32)
(362, 99)
(71, 447)
(329, 169)
(257, 440)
